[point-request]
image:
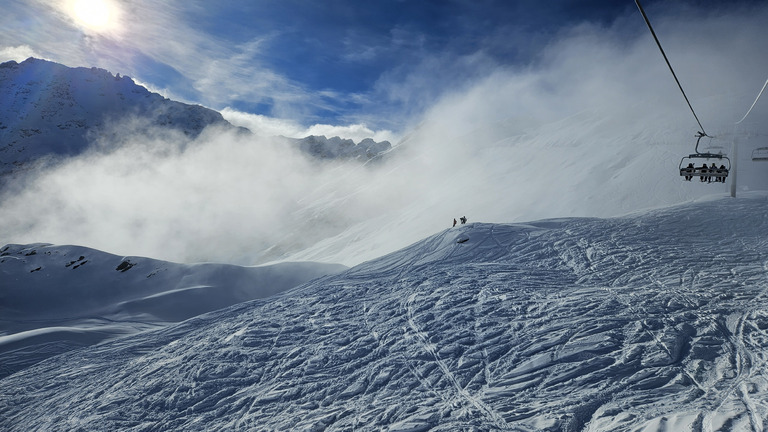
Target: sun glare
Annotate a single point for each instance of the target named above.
(94, 15)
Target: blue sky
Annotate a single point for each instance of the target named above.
(334, 62)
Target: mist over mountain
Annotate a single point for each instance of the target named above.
(595, 127)
(51, 110)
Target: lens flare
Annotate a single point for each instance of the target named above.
(99, 16)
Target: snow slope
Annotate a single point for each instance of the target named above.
(648, 322)
(57, 298)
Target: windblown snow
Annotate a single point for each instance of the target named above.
(653, 321)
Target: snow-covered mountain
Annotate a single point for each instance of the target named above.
(50, 109)
(339, 148)
(57, 298)
(654, 321)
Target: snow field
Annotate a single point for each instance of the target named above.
(58, 298)
(653, 321)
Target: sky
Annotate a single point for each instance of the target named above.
(571, 113)
(373, 65)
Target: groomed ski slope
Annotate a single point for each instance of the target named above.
(649, 322)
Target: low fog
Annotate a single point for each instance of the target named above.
(595, 127)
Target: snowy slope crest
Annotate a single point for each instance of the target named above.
(57, 298)
(653, 321)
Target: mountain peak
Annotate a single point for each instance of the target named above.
(47, 108)
(336, 147)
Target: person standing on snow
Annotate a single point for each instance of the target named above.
(463, 220)
(454, 221)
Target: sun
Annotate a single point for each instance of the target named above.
(99, 16)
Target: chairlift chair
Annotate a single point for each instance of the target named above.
(699, 171)
(760, 154)
(688, 172)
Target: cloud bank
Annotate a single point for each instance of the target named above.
(270, 126)
(17, 53)
(596, 127)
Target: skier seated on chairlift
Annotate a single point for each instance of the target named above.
(721, 170)
(703, 169)
(712, 170)
(689, 171)
(463, 220)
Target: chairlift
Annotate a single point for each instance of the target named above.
(688, 168)
(760, 154)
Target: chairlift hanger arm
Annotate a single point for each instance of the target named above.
(700, 135)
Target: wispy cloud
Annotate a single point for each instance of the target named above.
(377, 63)
(271, 126)
(218, 71)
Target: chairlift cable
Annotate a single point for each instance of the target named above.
(753, 103)
(648, 22)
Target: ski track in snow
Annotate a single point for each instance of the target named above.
(650, 322)
(51, 303)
